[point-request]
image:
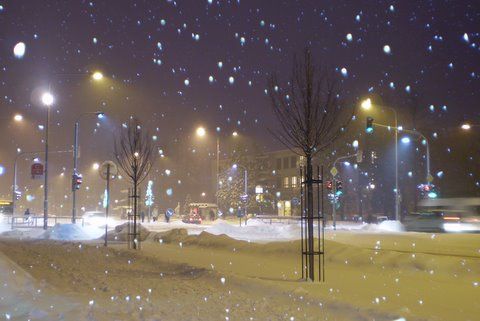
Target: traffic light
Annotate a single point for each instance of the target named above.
(431, 191)
(329, 185)
(338, 188)
(77, 180)
(18, 195)
(428, 190)
(369, 128)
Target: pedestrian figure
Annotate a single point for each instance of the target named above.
(142, 216)
(167, 217)
(26, 218)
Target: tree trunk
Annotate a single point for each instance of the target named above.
(135, 196)
(310, 236)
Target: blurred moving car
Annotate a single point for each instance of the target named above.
(424, 222)
(192, 218)
(97, 218)
(460, 214)
(381, 218)
(442, 221)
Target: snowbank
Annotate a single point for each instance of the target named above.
(256, 231)
(120, 233)
(72, 232)
(385, 226)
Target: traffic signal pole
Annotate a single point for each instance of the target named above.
(358, 155)
(75, 164)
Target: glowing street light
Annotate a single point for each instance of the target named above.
(18, 118)
(97, 75)
(201, 132)
(47, 99)
(366, 104)
(466, 126)
(235, 134)
(95, 166)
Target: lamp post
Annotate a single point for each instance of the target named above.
(75, 156)
(96, 76)
(428, 177)
(201, 132)
(47, 100)
(358, 155)
(367, 104)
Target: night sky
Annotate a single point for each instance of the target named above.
(179, 64)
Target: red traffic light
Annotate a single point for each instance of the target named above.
(329, 185)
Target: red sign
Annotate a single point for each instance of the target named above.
(37, 170)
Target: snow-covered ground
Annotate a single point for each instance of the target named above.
(372, 272)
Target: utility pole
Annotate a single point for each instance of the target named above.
(45, 186)
(75, 159)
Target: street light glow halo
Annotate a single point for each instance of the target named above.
(47, 99)
(366, 104)
(97, 75)
(466, 126)
(201, 131)
(18, 117)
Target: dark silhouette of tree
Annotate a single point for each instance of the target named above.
(311, 118)
(134, 154)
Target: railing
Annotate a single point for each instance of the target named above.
(276, 218)
(33, 221)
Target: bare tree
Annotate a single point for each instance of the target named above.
(310, 118)
(134, 154)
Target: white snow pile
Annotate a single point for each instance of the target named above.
(386, 226)
(72, 232)
(4, 227)
(256, 230)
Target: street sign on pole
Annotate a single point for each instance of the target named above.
(429, 178)
(359, 156)
(170, 212)
(107, 171)
(37, 170)
(108, 166)
(295, 201)
(334, 171)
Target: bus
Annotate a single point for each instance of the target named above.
(446, 215)
(6, 207)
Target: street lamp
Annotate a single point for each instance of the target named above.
(367, 105)
(18, 118)
(47, 100)
(99, 114)
(97, 76)
(201, 132)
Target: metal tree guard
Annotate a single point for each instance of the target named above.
(133, 228)
(312, 211)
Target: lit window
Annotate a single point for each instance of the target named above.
(285, 182)
(294, 182)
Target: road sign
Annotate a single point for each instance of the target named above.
(37, 170)
(295, 201)
(334, 171)
(170, 212)
(359, 156)
(103, 169)
(429, 178)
